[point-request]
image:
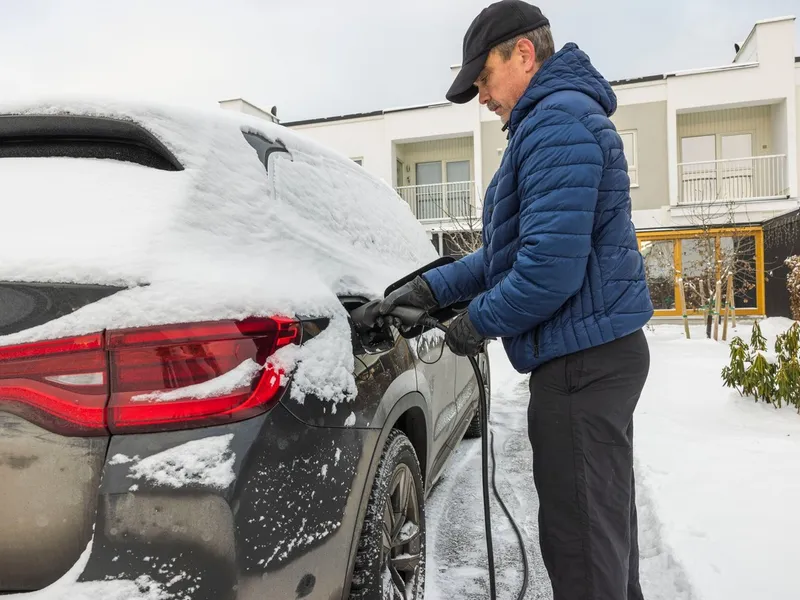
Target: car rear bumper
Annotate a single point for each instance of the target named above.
(283, 528)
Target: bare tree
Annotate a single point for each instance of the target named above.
(464, 228)
(711, 256)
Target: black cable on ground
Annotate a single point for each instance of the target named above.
(484, 416)
(487, 516)
(525, 567)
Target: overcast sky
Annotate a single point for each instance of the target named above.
(315, 58)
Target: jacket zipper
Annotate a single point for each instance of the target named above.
(536, 342)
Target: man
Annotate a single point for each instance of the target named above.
(559, 278)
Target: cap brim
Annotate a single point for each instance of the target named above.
(463, 88)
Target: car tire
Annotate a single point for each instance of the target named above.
(383, 566)
(474, 429)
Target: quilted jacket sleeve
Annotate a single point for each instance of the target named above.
(559, 165)
(458, 281)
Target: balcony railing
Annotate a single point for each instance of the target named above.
(752, 178)
(440, 201)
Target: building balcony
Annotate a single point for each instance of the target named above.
(733, 180)
(441, 201)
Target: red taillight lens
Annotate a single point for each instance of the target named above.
(146, 379)
(186, 376)
(62, 384)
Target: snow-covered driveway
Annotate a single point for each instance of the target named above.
(718, 486)
(457, 565)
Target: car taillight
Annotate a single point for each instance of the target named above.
(62, 384)
(150, 367)
(147, 379)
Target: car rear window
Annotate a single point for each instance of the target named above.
(51, 136)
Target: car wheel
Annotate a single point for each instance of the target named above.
(390, 562)
(474, 429)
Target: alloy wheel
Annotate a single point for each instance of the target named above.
(401, 554)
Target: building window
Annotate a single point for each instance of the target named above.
(659, 267)
(698, 259)
(630, 146)
(359, 161)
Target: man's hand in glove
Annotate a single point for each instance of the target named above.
(415, 293)
(462, 338)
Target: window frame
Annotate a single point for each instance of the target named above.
(718, 232)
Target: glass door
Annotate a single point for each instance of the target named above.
(429, 190)
(736, 174)
(458, 200)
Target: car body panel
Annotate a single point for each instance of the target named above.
(48, 496)
(284, 522)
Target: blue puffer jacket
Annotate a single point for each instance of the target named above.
(559, 270)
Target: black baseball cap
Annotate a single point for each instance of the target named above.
(497, 23)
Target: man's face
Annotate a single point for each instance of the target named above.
(503, 82)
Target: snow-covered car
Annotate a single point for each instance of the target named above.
(186, 410)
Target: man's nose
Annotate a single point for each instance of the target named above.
(483, 96)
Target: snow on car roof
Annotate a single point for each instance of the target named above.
(220, 239)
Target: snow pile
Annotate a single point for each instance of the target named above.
(326, 365)
(720, 475)
(68, 587)
(771, 328)
(221, 239)
(207, 462)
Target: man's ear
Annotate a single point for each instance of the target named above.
(527, 54)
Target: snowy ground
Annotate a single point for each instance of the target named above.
(718, 486)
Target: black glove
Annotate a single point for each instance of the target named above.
(415, 293)
(462, 337)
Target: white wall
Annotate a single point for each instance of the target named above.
(780, 129)
(739, 84)
(355, 138)
(749, 50)
(797, 120)
(239, 105)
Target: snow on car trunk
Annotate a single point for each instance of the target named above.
(84, 220)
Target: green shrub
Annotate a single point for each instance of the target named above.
(788, 377)
(793, 284)
(751, 374)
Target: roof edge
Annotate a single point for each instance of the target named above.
(365, 115)
(346, 117)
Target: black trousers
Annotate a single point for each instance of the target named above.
(580, 423)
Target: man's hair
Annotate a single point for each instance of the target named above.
(541, 38)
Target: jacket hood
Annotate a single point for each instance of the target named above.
(569, 69)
